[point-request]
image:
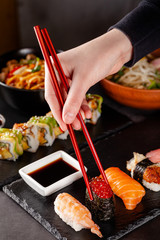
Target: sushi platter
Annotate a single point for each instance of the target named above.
(115, 137)
(124, 221)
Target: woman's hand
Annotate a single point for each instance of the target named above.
(84, 66)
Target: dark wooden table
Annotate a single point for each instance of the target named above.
(119, 132)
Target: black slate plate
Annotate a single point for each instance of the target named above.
(106, 125)
(42, 209)
(113, 151)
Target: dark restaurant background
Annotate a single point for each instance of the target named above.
(69, 22)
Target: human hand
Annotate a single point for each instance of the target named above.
(84, 66)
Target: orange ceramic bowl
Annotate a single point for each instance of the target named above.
(136, 98)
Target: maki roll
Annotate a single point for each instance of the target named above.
(59, 133)
(102, 205)
(45, 126)
(145, 171)
(29, 136)
(10, 144)
(95, 103)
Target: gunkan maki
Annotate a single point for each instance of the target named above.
(102, 205)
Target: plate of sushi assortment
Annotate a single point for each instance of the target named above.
(130, 188)
(145, 174)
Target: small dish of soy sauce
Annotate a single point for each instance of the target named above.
(51, 173)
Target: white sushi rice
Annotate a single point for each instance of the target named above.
(64, 135)
(152, 186)
(67, 219)
(32, 138)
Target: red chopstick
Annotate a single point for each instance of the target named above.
(46, 47)
(61, 102)
(66, 85)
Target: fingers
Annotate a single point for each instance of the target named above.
(73, 102)
(52, 101)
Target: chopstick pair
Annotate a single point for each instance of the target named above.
(47, 49)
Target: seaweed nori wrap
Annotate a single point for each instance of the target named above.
(102, 205)
(140, 168)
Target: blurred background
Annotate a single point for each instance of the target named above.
(69, 22)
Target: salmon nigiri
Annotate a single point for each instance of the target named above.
(71, 211)
(125, 187)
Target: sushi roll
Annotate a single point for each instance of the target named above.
(59, 133)
(45, 126)
(73, 213)
(95, 103)
(10, 144)
(145, 171)
(102, 205)
(29, 136)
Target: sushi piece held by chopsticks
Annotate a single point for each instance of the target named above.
(95, 104)
(125, 187)
(57, 130)
(72, 212)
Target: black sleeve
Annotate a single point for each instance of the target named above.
(142, 26)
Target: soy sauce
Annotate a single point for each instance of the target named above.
(52, 172)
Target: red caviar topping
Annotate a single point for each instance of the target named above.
(101, 189)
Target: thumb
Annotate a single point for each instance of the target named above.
(74, 101)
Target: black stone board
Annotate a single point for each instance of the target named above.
(109, 123)
(113, 151)
(42, 210)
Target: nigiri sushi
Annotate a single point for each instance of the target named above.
(125, 187)
(154, 156)
(72, 212)
(45, 126)
(102, 205)
(145, 171)
(10, 144)
(29, 136)
(95, 103)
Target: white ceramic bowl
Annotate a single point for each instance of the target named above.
(45, 191)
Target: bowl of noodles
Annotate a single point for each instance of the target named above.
(22, 80)
(137, 86)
